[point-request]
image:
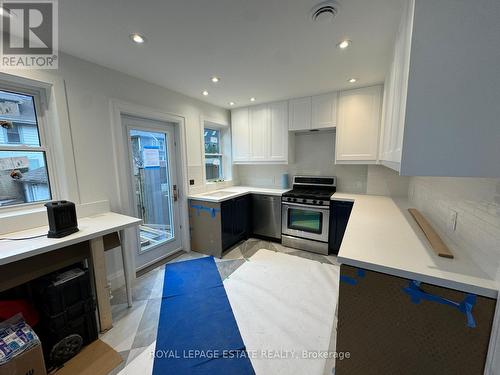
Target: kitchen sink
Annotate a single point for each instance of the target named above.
(220, 194)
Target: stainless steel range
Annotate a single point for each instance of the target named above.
(305, 213)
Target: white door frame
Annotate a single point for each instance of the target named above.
(119, 108)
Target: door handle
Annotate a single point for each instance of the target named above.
(175, 194)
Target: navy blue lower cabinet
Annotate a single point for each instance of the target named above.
(235, 220)
(392, 325)
(339, 217)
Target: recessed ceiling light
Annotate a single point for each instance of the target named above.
(344, 44)
(352, 80)
(231, 103)
(204, 93)
(252, 99)
(137, 38)
(215, 79)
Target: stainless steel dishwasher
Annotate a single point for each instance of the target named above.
(266, 216)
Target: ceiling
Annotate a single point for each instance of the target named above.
(267, 49)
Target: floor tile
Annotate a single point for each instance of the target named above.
(233, 254)
(141, 290)
(312, 256)
(280, 248)
(134, 353)
(125, 323)
(227, 267)
(135, 329)
(147, 329)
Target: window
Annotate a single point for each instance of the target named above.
(213, 155)
(23, 156)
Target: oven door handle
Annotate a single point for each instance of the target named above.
(318, 208)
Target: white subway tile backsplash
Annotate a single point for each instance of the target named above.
(477, 202)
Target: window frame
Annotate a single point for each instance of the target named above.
(219, 129)
(39, 101)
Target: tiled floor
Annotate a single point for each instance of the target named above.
(135, 329)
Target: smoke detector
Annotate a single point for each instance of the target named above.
(325, 11)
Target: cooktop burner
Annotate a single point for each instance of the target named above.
(310, 193)
(311, 190)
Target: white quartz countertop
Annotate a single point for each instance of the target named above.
(89, 227)
(236, 191)
(382, 236)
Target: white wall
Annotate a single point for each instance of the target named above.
(86, 92)
(314, 155)
(477, 202)
(385, 181)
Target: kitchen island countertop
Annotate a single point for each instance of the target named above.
(382, 236)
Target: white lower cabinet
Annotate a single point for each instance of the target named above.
(358, 126)
(260, 137)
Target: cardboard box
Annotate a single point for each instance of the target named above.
(29, 362)
(96, 358)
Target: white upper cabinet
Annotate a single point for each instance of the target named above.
(260, 134)
(441, 113)
(395, 93)
(240, 134)
(358, 126)
(278, 131)
(300, 113)
(316, 112)
(324, 111)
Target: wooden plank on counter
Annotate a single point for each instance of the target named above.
(436, 242)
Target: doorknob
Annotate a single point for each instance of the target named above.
(175, 193)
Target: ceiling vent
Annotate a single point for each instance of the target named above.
(325, 11)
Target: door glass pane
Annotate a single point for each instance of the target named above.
(306, 220)
(152, 186)
(23, 177)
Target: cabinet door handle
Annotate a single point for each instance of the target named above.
(465, 307)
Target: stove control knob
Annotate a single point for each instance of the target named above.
(304, 200)
(293, 199)
(315, 201)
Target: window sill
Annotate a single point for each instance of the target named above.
(11, 211)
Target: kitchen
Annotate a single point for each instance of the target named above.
(312, 188)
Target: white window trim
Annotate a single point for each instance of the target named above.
(40, 101)
(225, 137)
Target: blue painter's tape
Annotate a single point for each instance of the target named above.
(361, 273)
(348, 280)
(465, 307)
(213, 211)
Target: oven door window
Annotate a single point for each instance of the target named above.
(305, 220)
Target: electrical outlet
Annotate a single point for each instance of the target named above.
(452, 220)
